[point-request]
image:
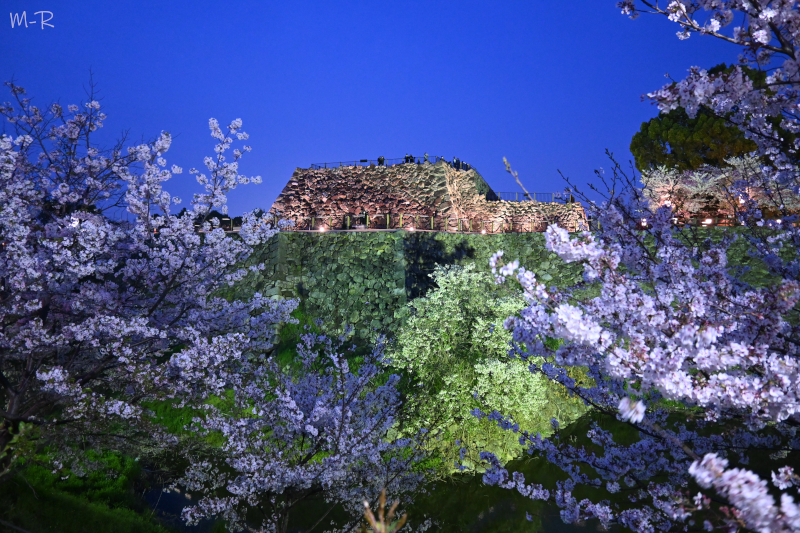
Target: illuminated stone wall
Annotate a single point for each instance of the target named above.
(428, 190)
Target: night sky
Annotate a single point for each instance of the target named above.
(549, 85)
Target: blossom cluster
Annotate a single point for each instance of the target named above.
(321, 430)
(669, 322)
(680, 343)
(103, 317)
(100, 315)
(766, 111)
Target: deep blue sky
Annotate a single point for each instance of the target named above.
(549, 85)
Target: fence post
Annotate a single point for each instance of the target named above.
(348, 221)
(431, 222)
(401, 220)
(330, 221)
(367, 221)
(470, 225)
(387, 220)
(312, 223)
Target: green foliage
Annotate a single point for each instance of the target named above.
(99, 477)
(452, 352)
(94, 494)
(289, 335)
(466, 504)
(175, 418)
(674, 140)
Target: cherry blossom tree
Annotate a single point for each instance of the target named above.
(321, 431)
(767, 31)
(101, 316)
(702, 364)
(671, 326)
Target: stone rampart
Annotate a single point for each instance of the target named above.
(339, 195)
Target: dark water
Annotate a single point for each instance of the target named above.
(167, 507)
(463, 503)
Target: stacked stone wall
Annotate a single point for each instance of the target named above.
(426, 190)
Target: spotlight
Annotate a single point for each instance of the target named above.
(707, 221)
(483, 231)
(411, 228)
(322, 229)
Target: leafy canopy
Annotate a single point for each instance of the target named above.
(675, 140)
(453, 351)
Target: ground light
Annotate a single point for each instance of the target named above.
(322, 229)
(411, 228)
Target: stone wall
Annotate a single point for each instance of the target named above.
(425, 190)
(367, 278)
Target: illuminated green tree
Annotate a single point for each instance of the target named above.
(676, 141)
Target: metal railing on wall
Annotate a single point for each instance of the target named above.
(394, 221)
(700, 222)
(389, 162)
(545, 197)
(414, 222)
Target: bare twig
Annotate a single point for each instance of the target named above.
(516, 177)
(380, 525)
